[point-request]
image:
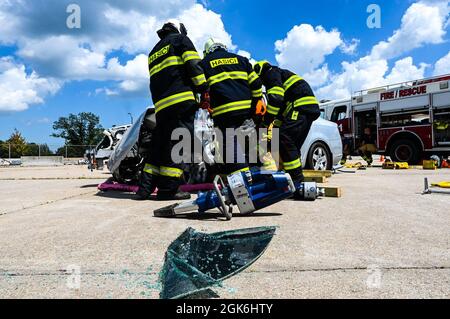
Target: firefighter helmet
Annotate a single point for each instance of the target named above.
(212, 45)
(171, 26)
(260, 65)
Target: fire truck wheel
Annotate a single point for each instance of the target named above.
(319, 157)
(405, 150)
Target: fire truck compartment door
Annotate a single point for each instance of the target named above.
(441, 100)
(404, 104)
(365, 107)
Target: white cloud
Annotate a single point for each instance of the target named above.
(405, 70)
(350, 47)
(54, 51)
(442, 66)
(18, 89)
(305, 48)
(423, 23)
(247, 55)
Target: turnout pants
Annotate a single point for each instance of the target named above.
(232, 149)
(293, 132)
(160, 169)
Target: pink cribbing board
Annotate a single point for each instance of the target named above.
(190, 188)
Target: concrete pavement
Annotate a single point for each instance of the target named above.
(381, 239)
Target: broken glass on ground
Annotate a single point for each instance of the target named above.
(196, 261)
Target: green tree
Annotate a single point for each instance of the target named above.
(19, 146)
(35, 149)
(78, 129)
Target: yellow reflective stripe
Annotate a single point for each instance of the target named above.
(233, 106)
(151, 169)
(289, 82)
(252, 77)
(235, 75)
(257, 93)
(276, 90)
(242, 170)
(170, 61)
(174, 99)
(170, 171)
(190, 55)
(289, 166)
(306, 101)
(199, 79)
(272, 109)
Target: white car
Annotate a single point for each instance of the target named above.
(323, 147)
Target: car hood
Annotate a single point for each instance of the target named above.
(129, 139)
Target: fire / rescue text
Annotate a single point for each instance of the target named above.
(403, 93)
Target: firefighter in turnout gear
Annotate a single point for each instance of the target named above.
(175, 78)
(292, 107)
(234, 92)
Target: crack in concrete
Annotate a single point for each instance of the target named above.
(47, 203)
(350, 269)
(140, 273)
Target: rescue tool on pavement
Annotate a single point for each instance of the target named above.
(248, 191)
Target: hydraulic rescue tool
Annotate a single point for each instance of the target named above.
(249, 191)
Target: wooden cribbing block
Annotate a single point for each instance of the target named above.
(308, 172)
(332, 191)
(317, 179)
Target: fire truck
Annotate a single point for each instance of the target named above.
(407, 120)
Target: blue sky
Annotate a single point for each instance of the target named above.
(48, 70)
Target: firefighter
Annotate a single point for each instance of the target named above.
(368, 146)
(292, 107)
(235, 92)
(175, 78)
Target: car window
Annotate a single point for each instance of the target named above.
(339, 113)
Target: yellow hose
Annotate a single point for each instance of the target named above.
(442, 184)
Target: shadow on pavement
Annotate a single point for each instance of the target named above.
(215, 216)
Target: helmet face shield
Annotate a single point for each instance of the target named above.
(211, 45)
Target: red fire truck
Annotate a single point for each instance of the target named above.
(407, 120)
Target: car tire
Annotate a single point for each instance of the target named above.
(319, 157)
(405, 150)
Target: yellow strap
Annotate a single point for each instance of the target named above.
(170, 61)
(171, 171)
(278, 90)
(233, 106)
(151, 169)
(199, 79)
(289, 82)
(174, 99)
(190, 55)
(252, 77)
(242, 170)
(289, 166)
(257, 93)
(235, 75)
(270, 165)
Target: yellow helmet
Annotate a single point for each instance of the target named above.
(258, 67)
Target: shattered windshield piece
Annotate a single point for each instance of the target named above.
(196, 261)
